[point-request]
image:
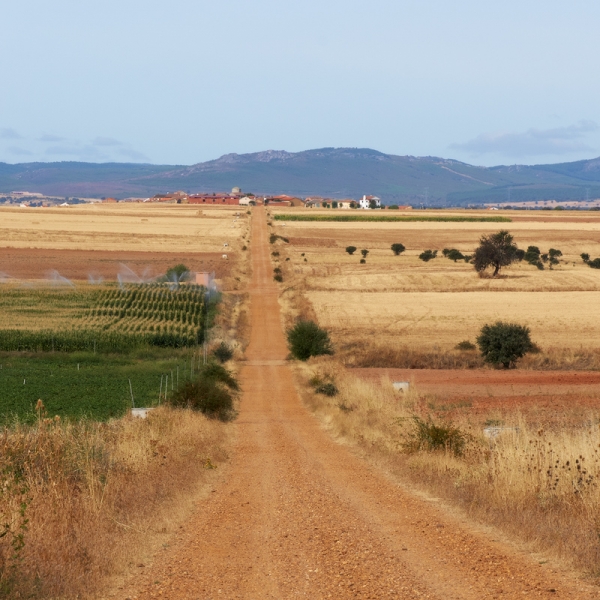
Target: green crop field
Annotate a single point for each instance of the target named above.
(399, 218)
(77, 348)
(83, 384)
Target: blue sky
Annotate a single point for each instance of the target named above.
(185, 81)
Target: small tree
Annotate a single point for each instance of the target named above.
(455, 255)
(364, 253)
(585, 257)
(496, 250)
(351, 250)
(334, 204)
(398, 249)
(307, 339)
(504, 343)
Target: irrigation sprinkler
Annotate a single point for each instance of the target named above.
(177, 376)
(166, 387)
(160, 392)
(172, 382)
(131, 390)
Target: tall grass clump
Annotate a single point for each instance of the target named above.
(80, 500)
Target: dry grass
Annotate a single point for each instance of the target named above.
(84, 501)
(559, 319)
(146, 227)
(370, 351)
(540, 486)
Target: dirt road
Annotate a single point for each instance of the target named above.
(299, 516)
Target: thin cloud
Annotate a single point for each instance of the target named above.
(106, 141)
(47, 137)
(533, 142)
(6, 133)
(19, 151)
(84, 153)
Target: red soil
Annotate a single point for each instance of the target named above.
(30, 263)
(541, 396)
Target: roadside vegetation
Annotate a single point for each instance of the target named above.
(81, 500)
(86, 490)
(535, 484)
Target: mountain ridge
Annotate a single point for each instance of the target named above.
(335, 172)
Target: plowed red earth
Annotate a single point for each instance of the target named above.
(296, 515)
(29, 263)
(544, 397)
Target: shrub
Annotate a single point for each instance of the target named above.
(307, 339)
(278, 277)
(276, 270)
(362, 261)
(393, 207)
(595, 264)
(398, 249)
(428, 255)
(364, 252)
(351, 250)
(275, 253)
(211, 393)
(504, 343)
(496, 250)
(585, 257)
(327, 389)
(465, 345)
(429, 436)
(223, 352)
(519, 254)
(178, 273)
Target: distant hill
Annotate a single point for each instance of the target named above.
(334, 172)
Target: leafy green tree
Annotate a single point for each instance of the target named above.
(455, 255)
(307, 339)
(496, 250)
(504, 343)
(364, 252)
(177, 273)
(351, 250)
(398, 249)
(585, 257)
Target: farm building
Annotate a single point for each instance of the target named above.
(367, 202)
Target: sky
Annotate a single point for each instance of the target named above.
(186, 81)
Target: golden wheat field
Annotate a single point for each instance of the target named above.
(131, 226)
(440, 303)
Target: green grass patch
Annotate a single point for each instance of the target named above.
(399, 218)
(98, 389)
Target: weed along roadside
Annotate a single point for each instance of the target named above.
(88, 490)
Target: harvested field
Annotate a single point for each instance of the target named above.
(429, 319)
(441, 302)
(143, 227)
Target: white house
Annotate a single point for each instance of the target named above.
(367, 200)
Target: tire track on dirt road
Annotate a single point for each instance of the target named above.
(296, 515)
